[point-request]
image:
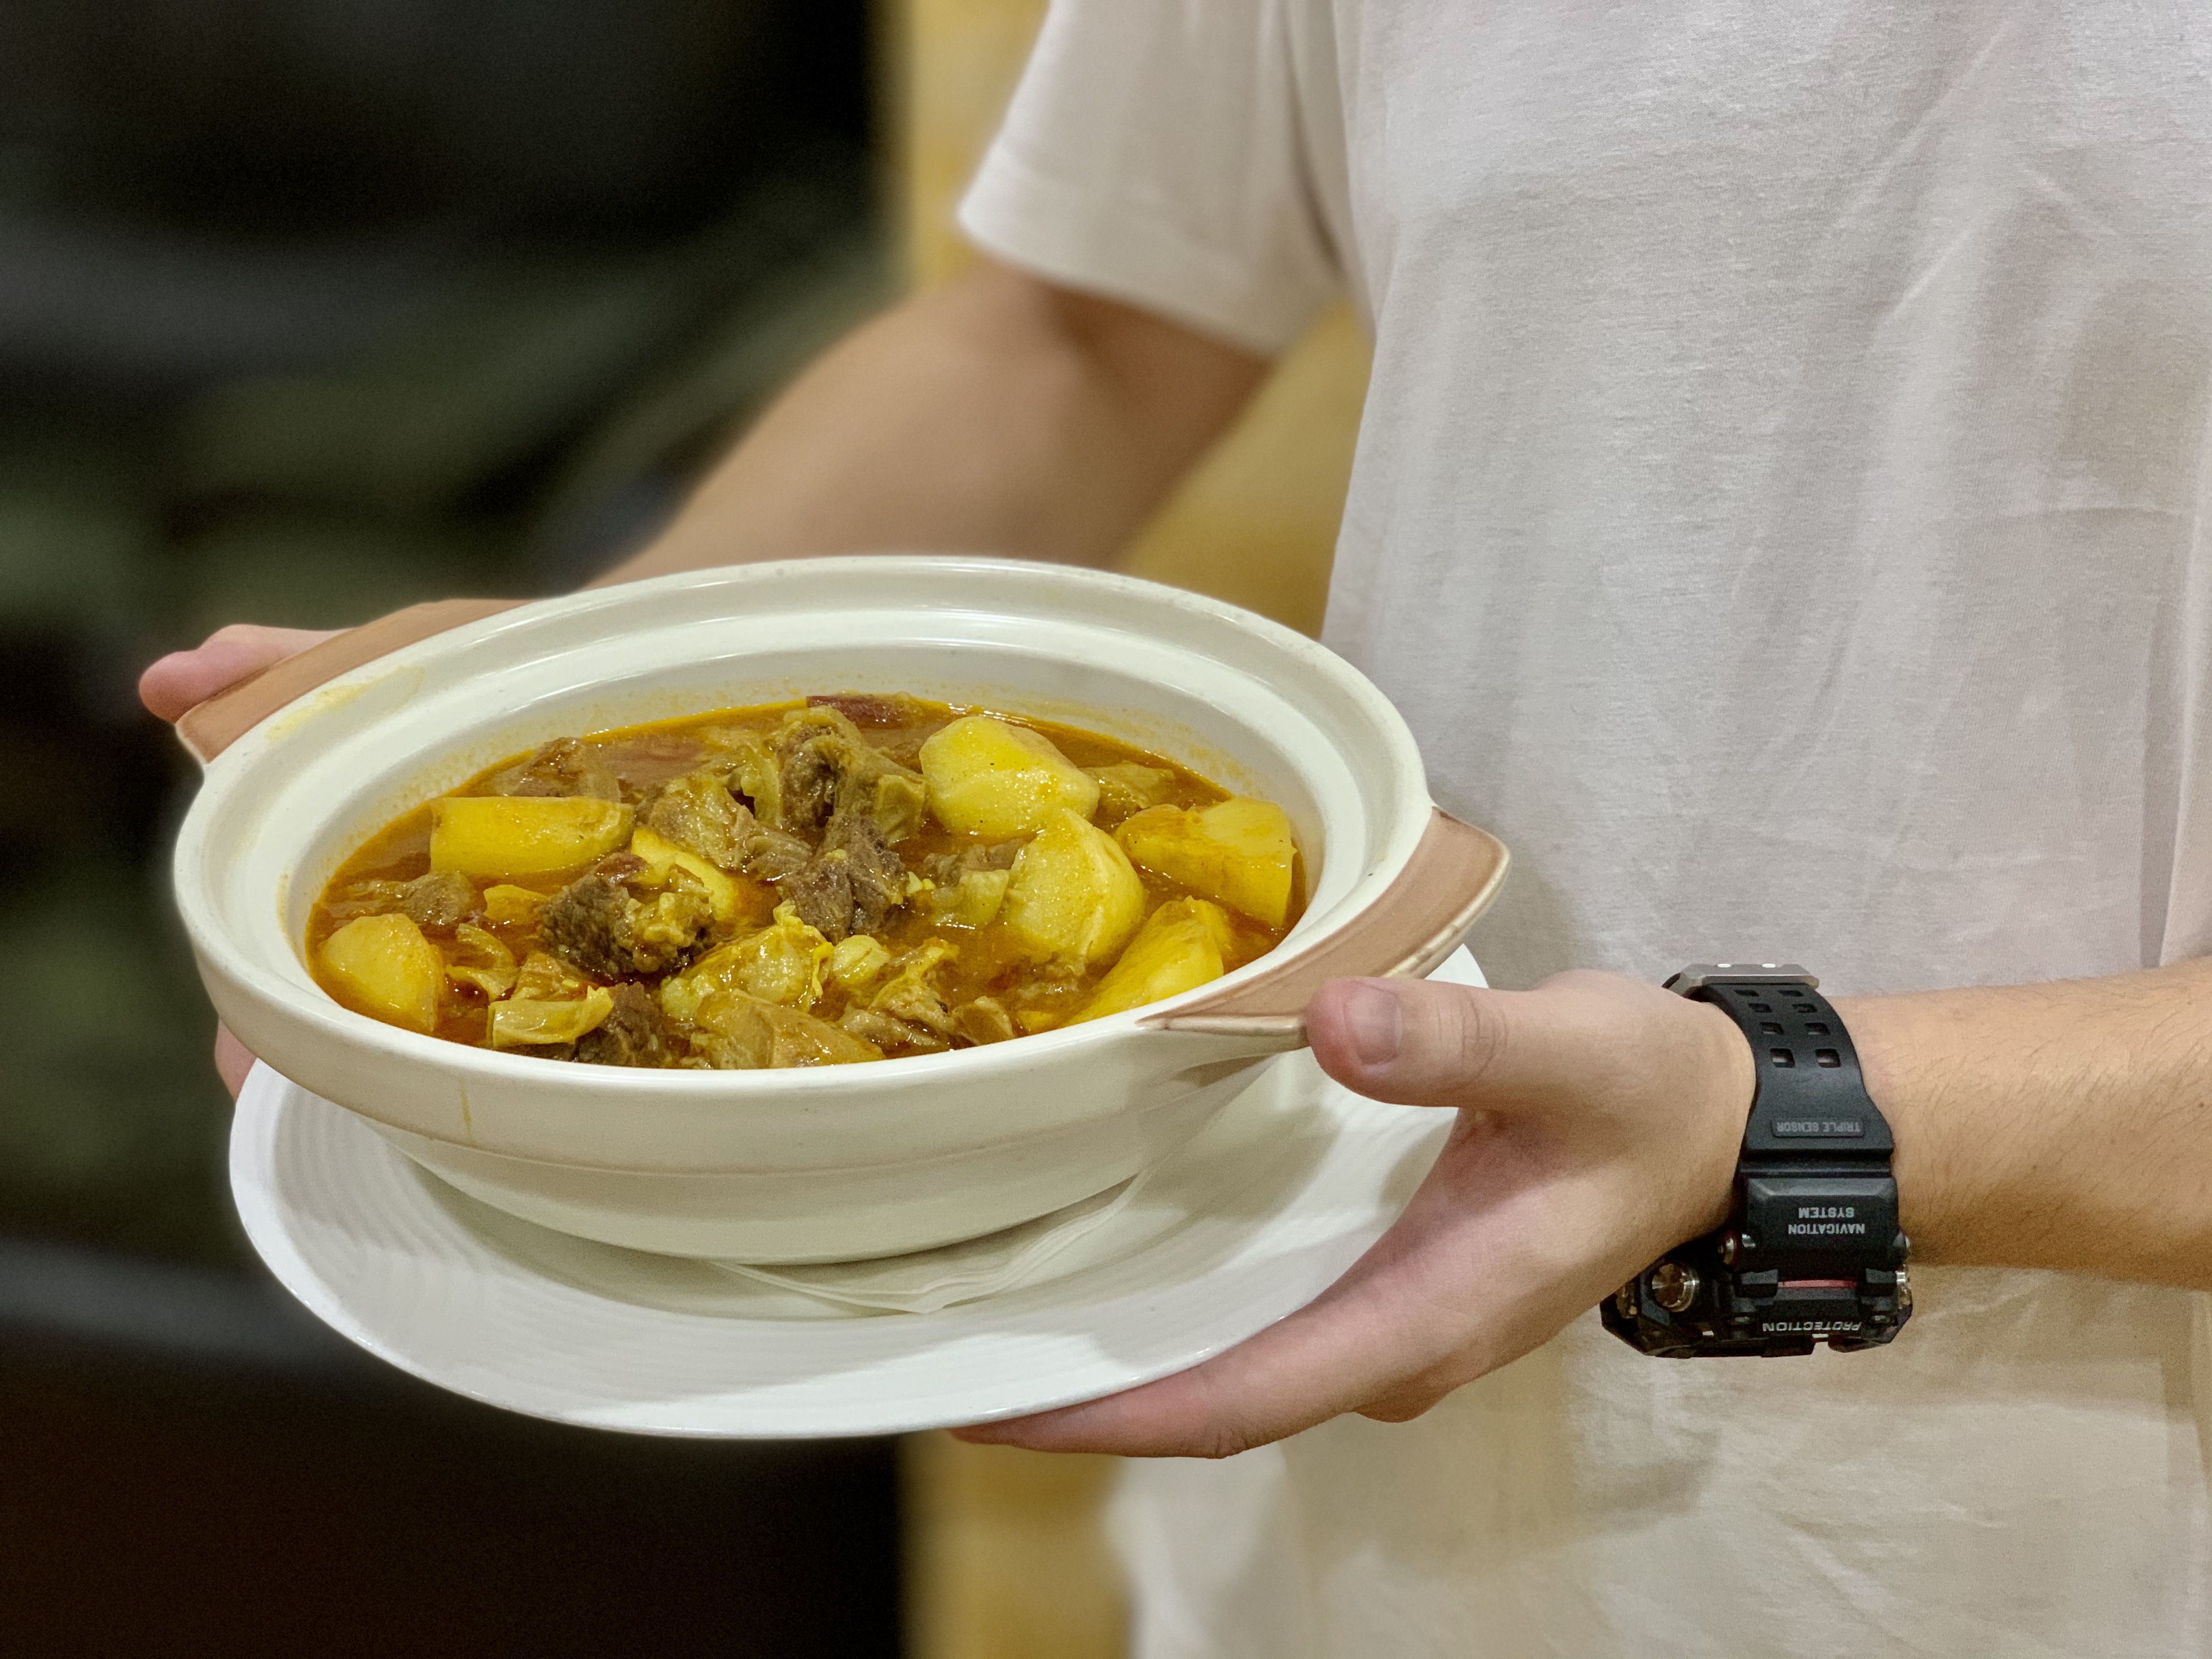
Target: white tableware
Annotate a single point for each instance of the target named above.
(841, 1162)
(1248, 1221)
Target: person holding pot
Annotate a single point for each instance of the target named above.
(1781, 511)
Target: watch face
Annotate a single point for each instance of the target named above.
(1691, 1305)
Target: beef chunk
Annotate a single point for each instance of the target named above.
(586, 925)
(826, 766)
(563, 767)
(809, 789)
(598, 927)
(440, 902)
(865, 709)
(697, 811)
(852, 883)
(897, 725)
(635, 1034)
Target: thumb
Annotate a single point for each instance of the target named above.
(1419, 1044)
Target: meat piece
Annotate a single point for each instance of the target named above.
(826, 766)
(865, 708)
(897, 725)
(888, 1034)
(945, 869)
(1128, 789)
(751, 770)
(698, 813)
(624, 866)
(735, 1032)
(440, 902)
(809, 776)
(586, 925)
(910, 993)
(772, 854)
(984, 1020)
(732, 839)
(635, 1034)
(563, 767)
(852, 883)
(598, 927)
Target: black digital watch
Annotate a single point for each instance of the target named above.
(1811, 1251)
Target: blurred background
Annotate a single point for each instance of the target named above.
(310, 309)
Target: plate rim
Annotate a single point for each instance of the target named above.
(265, 1214)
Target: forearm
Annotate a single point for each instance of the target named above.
(2065, 1126)
(999, 414)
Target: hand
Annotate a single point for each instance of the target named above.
(184, 679)
(1599, 1122)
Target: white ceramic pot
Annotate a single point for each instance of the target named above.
(845, 1161)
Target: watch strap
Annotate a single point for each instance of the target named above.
(1811, 1252)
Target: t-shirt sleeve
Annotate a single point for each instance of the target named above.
(1153, 153)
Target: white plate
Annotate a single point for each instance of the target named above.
(1250, 1221)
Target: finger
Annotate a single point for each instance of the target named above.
(182, 679)
(1318, 1363)
(1425, 1044)
(233, 1060)
(1395, 1332)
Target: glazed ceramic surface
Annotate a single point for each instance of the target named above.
(1249, 1220)
(840, 1161)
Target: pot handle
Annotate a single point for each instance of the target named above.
(209, 728)
(1416, 922)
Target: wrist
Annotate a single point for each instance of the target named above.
(1710, 1190)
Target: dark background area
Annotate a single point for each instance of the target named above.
(310, 309)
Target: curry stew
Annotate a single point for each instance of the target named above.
(854, 878)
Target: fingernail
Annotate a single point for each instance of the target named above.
(1378, 1023)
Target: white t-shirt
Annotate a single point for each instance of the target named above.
(1781, 512)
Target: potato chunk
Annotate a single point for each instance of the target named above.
(386, 965)
(989, 777)
(1181, 944)
(524, 835)
(1073, 897)
(1239, 853)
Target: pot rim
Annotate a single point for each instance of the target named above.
(235, 771)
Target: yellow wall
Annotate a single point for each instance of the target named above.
(1256, 523)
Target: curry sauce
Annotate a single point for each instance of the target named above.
(848, 878)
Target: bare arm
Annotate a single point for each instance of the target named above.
(998, 414)
(2065, 1125)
